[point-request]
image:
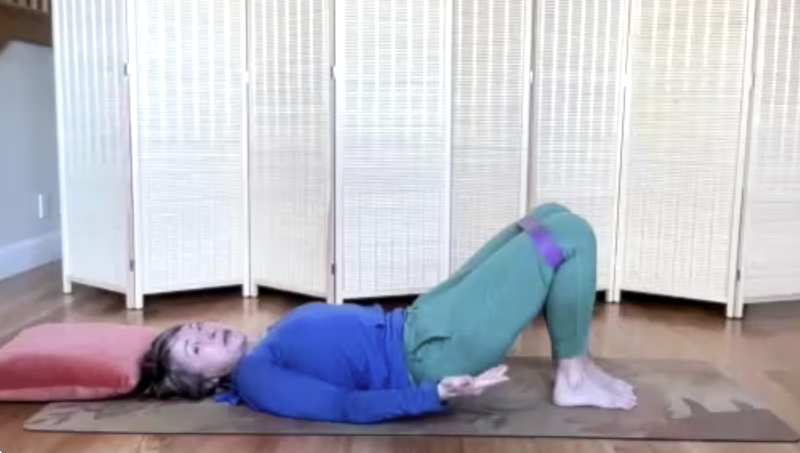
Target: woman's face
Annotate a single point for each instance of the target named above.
(209, 349)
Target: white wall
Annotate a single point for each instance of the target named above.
(28, 158)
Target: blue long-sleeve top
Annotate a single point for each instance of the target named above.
(333, 363)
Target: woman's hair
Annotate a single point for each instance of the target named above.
(161, 378)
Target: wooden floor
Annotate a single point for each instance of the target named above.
(762, 353)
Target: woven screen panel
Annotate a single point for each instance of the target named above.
(577, 113)
(393, 157)
(687, 62)
(488, 128)
(90, 51)
(291, 176)
(772, 226)
(191, 100)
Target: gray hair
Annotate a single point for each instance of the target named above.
(161, 378)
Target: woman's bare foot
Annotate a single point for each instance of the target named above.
(579, 382)
(608, 380)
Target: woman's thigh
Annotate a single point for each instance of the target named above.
(485, 312)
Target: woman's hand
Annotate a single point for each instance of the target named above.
(457, 386)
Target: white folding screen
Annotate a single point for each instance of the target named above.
(490, 93)
(189, 144)
(228, 173)
(291, 144)
(577, 113)
(90, 54)
(679, 182)
(392, 146)
(771, 249)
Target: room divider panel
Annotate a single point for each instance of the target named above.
(291, 144)
(91, 51)
(490, 110)
(770, 258)
(576, 121)
(392, 146)
(682, 162)
(189, 144)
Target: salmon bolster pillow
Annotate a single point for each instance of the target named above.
(68, 362)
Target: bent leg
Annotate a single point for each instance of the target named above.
(468, 322)
(568, 312)
(570, 301)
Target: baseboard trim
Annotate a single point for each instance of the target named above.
(27, 254)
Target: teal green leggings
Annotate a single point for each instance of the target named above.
(469, 322)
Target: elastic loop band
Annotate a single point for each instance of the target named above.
(543, 240)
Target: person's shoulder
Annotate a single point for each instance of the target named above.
(323, 318)
(324, 308)
(250, 375)
(311, 306)
(253, 363)
(301, 312)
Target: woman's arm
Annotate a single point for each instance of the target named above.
(269, 388)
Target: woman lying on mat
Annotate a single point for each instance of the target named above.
(359, 364)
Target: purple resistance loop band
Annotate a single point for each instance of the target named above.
(544, 242)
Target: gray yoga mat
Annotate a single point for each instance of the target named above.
(678, 400)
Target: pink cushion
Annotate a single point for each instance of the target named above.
(80, 361)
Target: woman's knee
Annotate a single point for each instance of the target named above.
(588, 238)
(579, 234)
(545, 210)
